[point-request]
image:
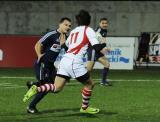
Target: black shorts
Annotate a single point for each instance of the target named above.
(81, 79)
(93, 55)
(45, 71)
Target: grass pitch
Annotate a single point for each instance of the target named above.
(134, 97)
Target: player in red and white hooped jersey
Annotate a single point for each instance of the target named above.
(72, 66)
(78, 41)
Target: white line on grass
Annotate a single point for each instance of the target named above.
(12, 85)
(8, 77)
(25, 77)
(5, 83)
(8, 87)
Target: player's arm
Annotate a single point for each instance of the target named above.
(63, 42)
(40, 44)
(38, 50)
(94, 41)
(65, 45)
(100, 38)
(43, 42)
(103, 39)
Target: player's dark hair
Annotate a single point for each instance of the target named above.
(103, 19)
(64, 18)
(83, 18)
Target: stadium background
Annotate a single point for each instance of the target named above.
(126, 18)
(27, 18)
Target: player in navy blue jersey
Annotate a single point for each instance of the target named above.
(47, 50)
(94, 56)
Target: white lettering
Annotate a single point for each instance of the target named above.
(154, 50)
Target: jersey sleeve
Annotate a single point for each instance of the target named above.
(102, 32)
(91, 36)
(101, 39)
(98, 36)
(44, 39)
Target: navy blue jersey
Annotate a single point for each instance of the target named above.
(92, 54)
(51, 45)
(103, 32)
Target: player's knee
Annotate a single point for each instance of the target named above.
(57, 90)
(89, 70)
(107, 65)
(93, 84)
(90, 83)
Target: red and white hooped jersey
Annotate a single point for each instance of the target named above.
(79, 39)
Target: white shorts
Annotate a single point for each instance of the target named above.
(71, 67)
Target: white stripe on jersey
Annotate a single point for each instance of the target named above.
(98, 30)
(47, 35)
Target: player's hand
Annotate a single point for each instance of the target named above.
(108, 49)
(62, 38)
(39, 57)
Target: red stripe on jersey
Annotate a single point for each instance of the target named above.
(71, 37)
(84, 42)
(76, 37)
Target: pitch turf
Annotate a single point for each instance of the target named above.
(134, 97)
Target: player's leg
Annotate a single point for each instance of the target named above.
(48, 87)
(90, 65)
(44, 75)
(86, 94)
(81, 74)
(38, 97)
(60, 81)
(103, 60)
(59, 85)
(78, 71)
(32, 106)
(38, 69)
(38, 73)
(41, 69)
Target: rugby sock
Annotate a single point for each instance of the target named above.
(36, 99)
(105, 74)
(86, 94)
(46, 88)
